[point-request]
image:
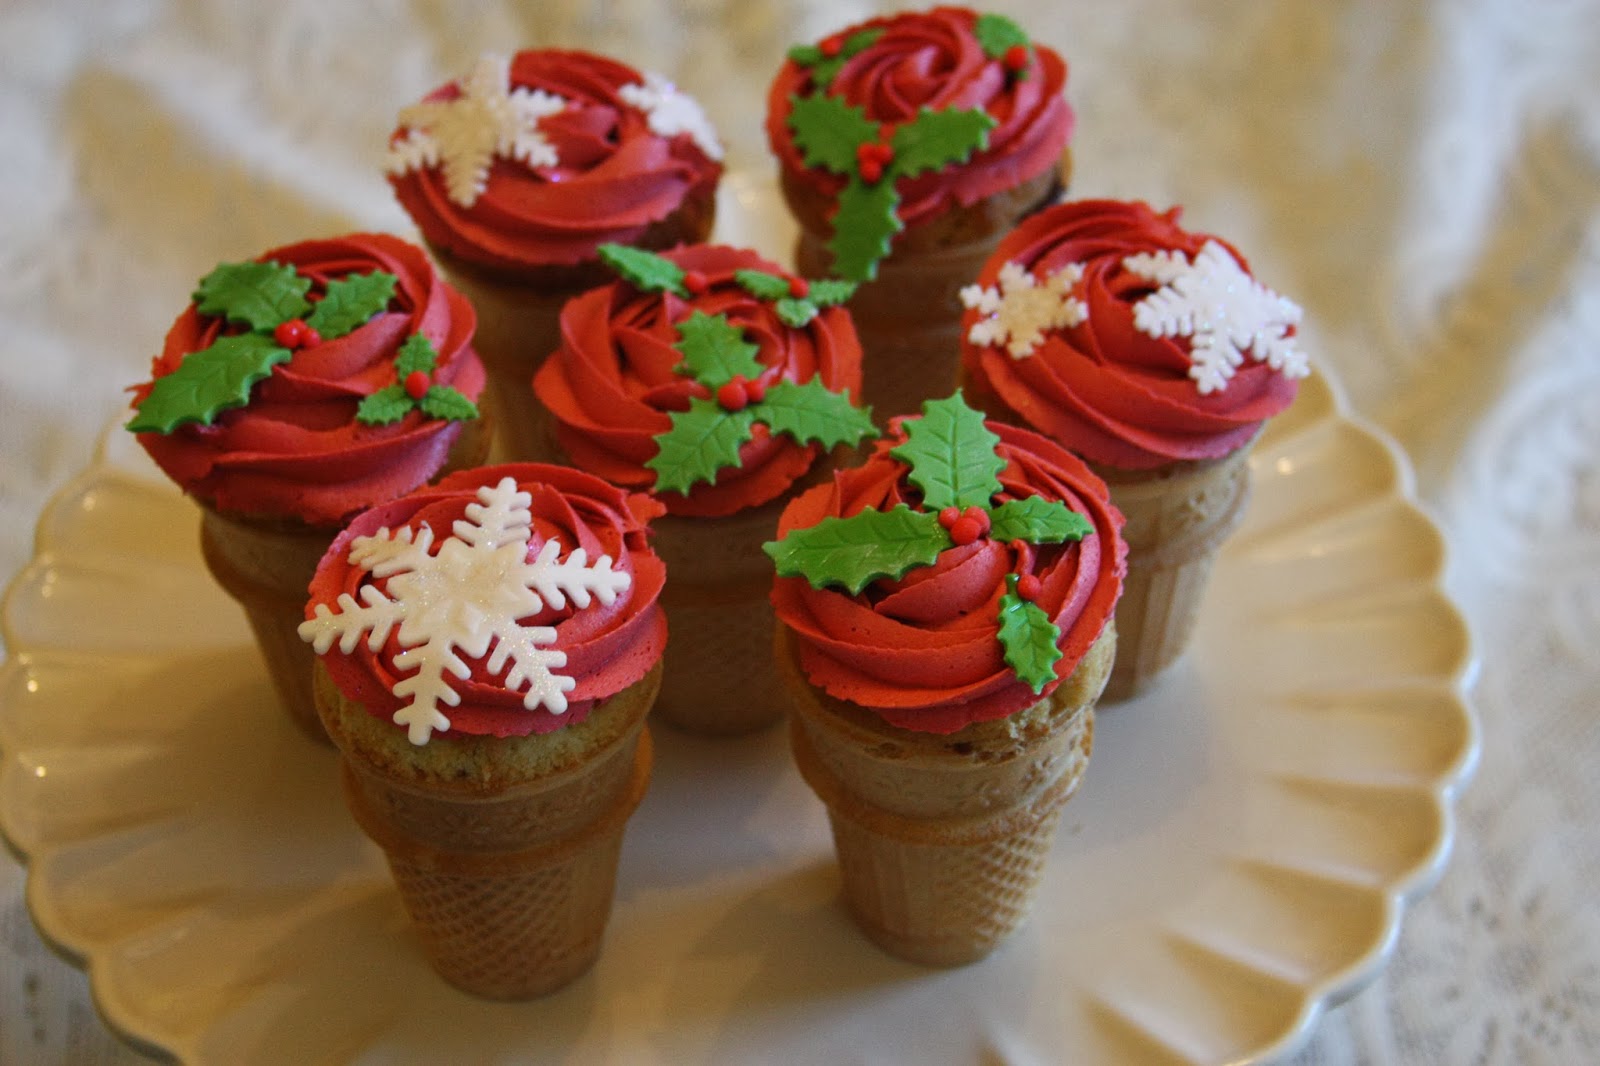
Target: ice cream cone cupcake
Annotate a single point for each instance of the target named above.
(907, 146)
(1154, 354)
(296, 390)
(720, 383)
(489, 651)
(516, 173)
(945, 629)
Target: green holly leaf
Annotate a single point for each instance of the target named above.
(211, 380)
(385, 406)
(830, 291)
(936, 139)
(703, 440)
(450, 404)
(951, 454)
(258, 295)
(852, 552)
(714, 350)
(811, 412)
(863, 227)
(350, 301)
(417, 353)
(806, 55)
(827, 131)
(761, 285)
(1037, 521)
(997, 34)
(645, 271)
(795, 312)
(1031, 640)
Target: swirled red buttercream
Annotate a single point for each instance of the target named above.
(296, 450)
(614, 176)
(1104, 388)
(933, 60)
(924, 651)
(616, 377)
(607, 647)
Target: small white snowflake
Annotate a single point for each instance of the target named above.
(1020, 311)
(670, 112)
(466, 133)
(1223, 311)
(460, 600)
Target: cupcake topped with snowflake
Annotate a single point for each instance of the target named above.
(1129, 339)
(535, 160)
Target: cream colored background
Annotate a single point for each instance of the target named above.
(1422, 175)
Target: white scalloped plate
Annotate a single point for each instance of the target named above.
(1238, 859)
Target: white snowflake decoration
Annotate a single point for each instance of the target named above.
(460, 600)
(670, 112)
(1223, 311)
(1020, 311)
(466, 134)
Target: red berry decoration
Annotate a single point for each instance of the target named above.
(695, 282)
(799, 288)
(291, 334)
(965, 530)
(733, 395)
(1028, 587)
(310, 338)
(1016, 59)
(831, 46)
(417, 384)
(756, 390)
(948, 516)
(979, 516)
(871, 171)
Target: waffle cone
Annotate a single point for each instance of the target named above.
(507, 868)
(909, 317)
(1177, 519)
(942, 840)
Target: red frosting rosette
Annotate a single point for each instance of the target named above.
(923, 651)
(607, 647)
(935, 60)
(599, 171)
(616, 377)
(296, 450)
(1106, 389)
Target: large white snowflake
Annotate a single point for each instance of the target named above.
(1223, 311)
(669, 112)
(466, 133)
(460, 600)
(1020, 311)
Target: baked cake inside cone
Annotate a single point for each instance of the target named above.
(296, 390)
(489, 650)
(1152, 352)
(518, 171)
(722, 384)
(907, 145)
(945, 612)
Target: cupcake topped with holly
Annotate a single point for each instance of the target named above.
(958, 576)
(706, 375)
(532, 162)
(313, 381)
(893, 123)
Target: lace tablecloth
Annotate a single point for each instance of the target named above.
(1422, 175)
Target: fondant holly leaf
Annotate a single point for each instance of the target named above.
(448, 403)
(645, 271)
(385, 406)
(258, 295)
(824, 68)
(937, 139)
(211, 380)
(1037, 521)
(854, 551)
(703, 440)
(830, 291)
(761, 285)
(714, 350)
(996, 34)
(827, 131)
(951, 454)
(1031, 640)
(350, 301)
(794, 312)
(810, 412)
(417, 353)
(863, 227)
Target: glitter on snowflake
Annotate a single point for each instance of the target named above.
(454, 604)
(1223, 311)
(670, 112)
(466, 133)
(1020, 311)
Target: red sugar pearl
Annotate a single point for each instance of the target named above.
(948, 516)
(799, 288)
(756, 390)
(1016, 58)
(965, 530)
(416, 384)
(1028, 587)
(831, 46)
(732, 395)
(695, 282)
(291, 334)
